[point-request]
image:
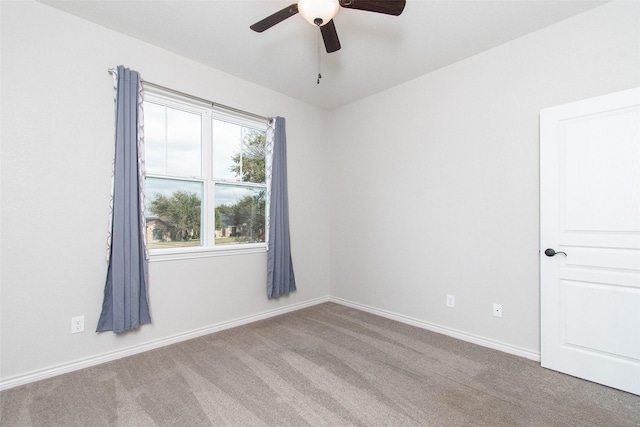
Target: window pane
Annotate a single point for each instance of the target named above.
(173, 213)
(254, 149)
(184, 133)
(172, 140)
(239, 214)
(155, 137)
(238, 153)
(227, 139)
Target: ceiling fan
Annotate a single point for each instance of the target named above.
(321, 13)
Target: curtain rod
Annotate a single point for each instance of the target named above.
(196, 98)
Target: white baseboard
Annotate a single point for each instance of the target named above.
(485, 342)
(75, 365)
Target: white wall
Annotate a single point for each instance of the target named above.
(435, 182)
(57, 145)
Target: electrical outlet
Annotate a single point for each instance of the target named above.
(497, 310)
(77, 324)
(451, 301)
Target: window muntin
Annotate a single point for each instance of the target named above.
(203, 165)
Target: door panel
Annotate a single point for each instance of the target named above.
(621, 259)
(590, 209)
(588, 323)
(601, 177)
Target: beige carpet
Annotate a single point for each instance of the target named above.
(327, 365)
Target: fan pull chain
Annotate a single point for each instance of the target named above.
(319, 57)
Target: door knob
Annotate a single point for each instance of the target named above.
(552, 252)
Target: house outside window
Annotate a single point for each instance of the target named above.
(206, 179)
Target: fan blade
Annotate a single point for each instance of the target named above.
(330, 37)
(276, 18)
(388, 7)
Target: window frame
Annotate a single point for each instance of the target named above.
(208, 113)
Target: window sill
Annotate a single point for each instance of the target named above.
(173, 254)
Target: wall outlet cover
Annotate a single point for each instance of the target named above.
(451, 301)
(77, 324)
(497, 310)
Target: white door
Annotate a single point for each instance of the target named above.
(590, 211)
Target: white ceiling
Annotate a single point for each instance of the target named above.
(378, 51)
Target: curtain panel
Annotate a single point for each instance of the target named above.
(280, 276)
(125, 305)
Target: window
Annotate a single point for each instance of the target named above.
(205, 184)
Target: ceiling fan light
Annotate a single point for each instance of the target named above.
(312, 10)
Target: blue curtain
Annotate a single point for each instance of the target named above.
(280, 277)
(125, 305)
